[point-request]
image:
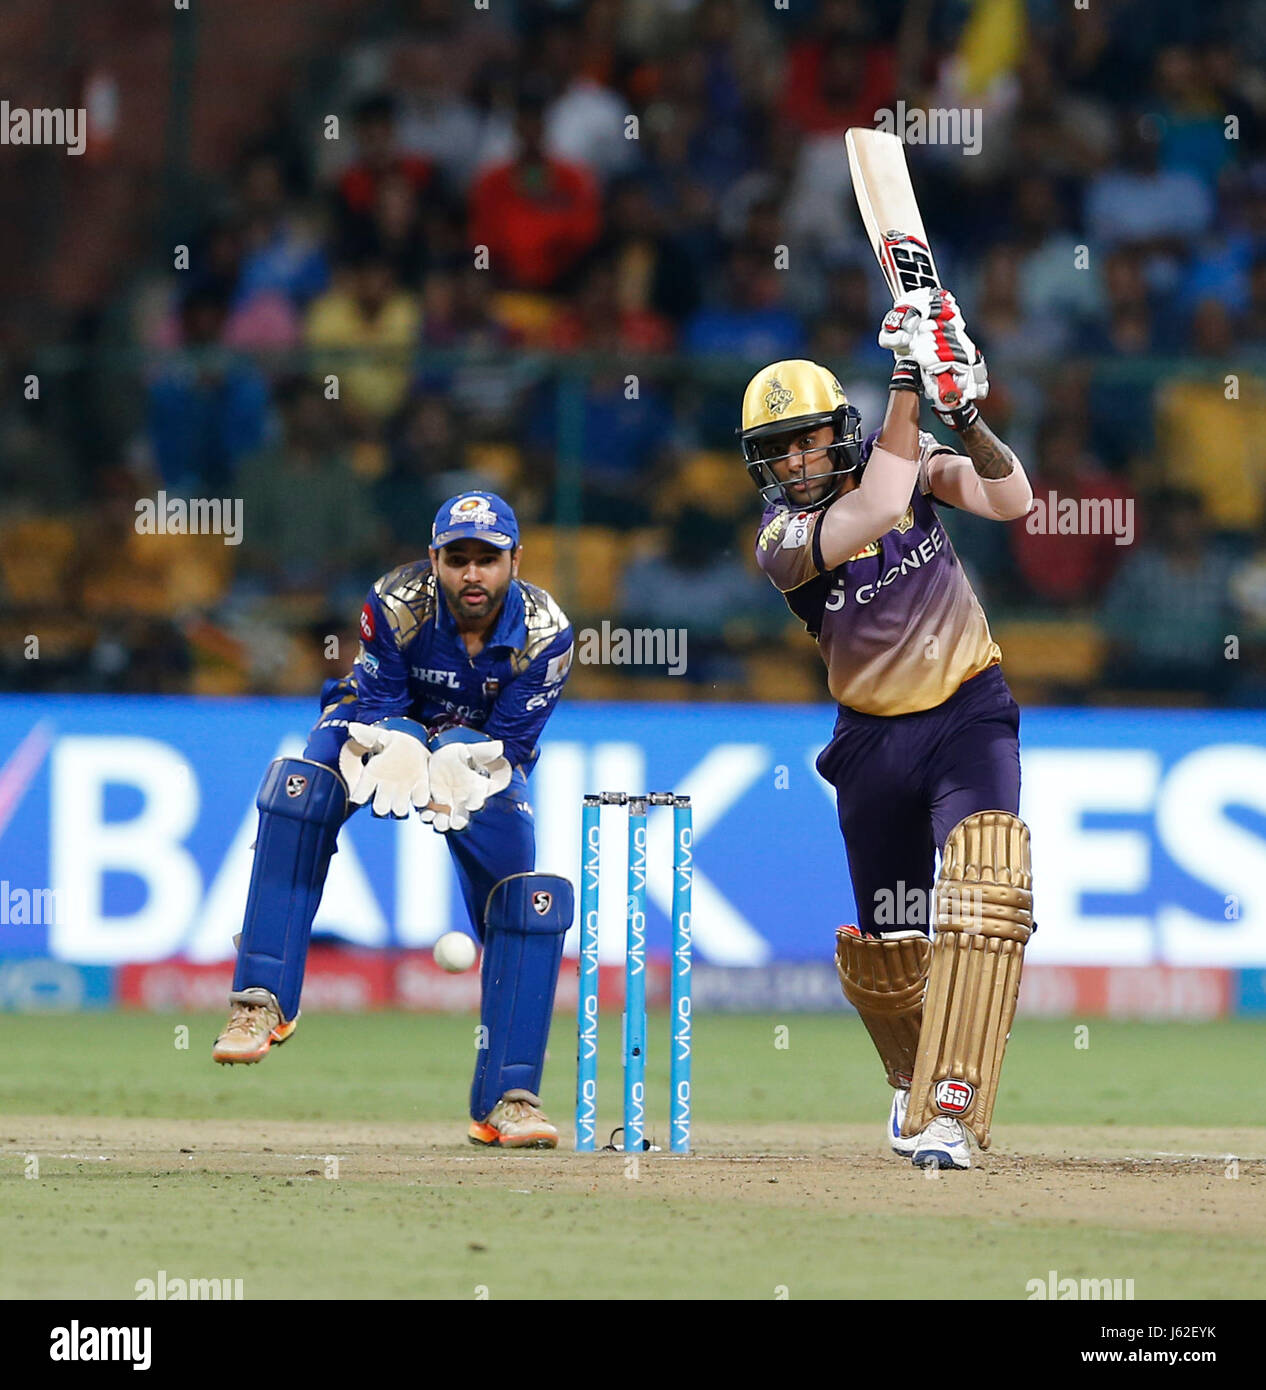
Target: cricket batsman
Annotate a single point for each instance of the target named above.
(459, 667)
(925, 752)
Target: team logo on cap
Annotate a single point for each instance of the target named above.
(473, 509)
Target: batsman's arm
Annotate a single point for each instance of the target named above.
(988, 479)
(880, 500)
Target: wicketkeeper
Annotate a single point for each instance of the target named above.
(925, 754)
(459, 667)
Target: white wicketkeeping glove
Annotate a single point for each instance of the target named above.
(463, 777)
(387, 764)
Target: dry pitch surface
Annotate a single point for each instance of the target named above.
(351, 1207)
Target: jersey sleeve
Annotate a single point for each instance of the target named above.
(787, 549)
(525, 704)
(929, 448)
(380, 670)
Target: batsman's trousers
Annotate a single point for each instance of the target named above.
(903, 782)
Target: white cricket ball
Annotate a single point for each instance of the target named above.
(455, 952)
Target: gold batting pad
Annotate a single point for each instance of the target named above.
(984, 916)
(884, 980)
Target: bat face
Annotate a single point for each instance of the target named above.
(890, 213)
(906, 263)
(885, 199)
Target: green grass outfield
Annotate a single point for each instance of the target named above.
(1110, 1159)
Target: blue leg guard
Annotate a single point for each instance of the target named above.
(499, 842)
(301, 804)
(525, 921)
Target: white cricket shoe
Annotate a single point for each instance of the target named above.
(903, 1148)
(943, 1144)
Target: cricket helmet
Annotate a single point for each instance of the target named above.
(784, 400)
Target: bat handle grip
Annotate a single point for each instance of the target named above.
(951, 396)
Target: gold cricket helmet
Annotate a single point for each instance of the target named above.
(782, 402)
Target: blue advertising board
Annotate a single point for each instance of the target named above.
(126, 827)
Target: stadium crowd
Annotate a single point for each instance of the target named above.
(543, 254)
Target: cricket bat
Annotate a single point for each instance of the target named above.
(890, 214)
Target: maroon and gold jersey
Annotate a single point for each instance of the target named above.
(898, 624)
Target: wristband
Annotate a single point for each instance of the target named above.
(905, 376)
(962, 419)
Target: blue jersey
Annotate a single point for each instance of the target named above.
(412, 663)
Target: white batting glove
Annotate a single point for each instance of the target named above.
(463, 777)
(388, 765)
(952, 367)
(901, 322)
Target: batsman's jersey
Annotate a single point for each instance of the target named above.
(898, 624)
(412, 662)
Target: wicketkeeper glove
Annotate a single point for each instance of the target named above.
(463, 777)
(389, 765)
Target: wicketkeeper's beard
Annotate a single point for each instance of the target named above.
(475, 600)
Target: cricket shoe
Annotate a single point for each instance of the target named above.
(943, 1144)
(254, 1025)
(901, 1146)
(515, 1122)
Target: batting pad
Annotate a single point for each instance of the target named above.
(526, 918)
(984, 917)
(884, 979)
(301, 805)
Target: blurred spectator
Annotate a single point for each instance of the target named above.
(279, 251)
(747, 318)
(379, 159)
(457, 311)
(1254, 330)
(1156, 213)
(1052, 281)
(367, 310)
(1124, 324)
(536, 215)
(599, 321)
(306, 520)
(1194, 136)
(1168, 611)
(207, 410)
(1005, 330)
(656, 270)
(835, 77)
(1066, 568)
(620, 442)
(37, 473)
(697, 582)
(585, 122)
(1211, 442)
(427, 458)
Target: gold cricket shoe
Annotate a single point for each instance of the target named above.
(515, 1122)
(254, 1025)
